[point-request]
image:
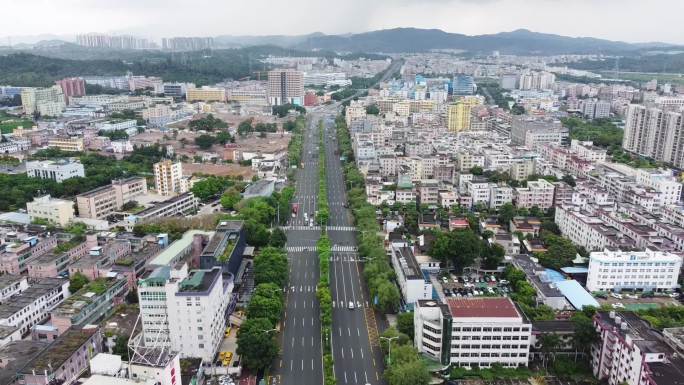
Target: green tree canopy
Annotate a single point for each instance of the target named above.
(256, 345)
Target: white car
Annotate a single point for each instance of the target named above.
(351, 305)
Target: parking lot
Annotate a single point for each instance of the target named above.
(472, 286)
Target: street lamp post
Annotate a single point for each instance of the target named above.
(389, 343)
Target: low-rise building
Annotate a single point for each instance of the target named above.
(57, 170)
(647, 270)
(10, 285)
(103, 201)
(33, 305)
(67, 143)
(52, 210)
(537, 193)
(90, 304)
(413, 284)
(65, 359)
(473, 332)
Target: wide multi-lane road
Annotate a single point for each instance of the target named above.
(354, 334)
(301, 360)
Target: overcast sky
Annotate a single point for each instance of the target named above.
(627, 20)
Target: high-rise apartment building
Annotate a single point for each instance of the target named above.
(167, 177)
(98, 40)
(46, 101)
(463, 85)
(655, 133)
(458, 115)
(72, 87)
(285, 86)
(596, 109)
(187, 43)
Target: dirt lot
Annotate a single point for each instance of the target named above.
(218, 169)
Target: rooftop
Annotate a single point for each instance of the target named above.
(199, 281)
(175, 248)
(14, 355)
(483, 308)
(60, 350)
(30, 295)
(9, 279)
(576, 294)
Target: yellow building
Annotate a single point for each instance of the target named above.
(458, 114)
(206, 94)
(66, 143)
(52, 210)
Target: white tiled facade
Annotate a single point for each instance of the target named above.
(647, 270)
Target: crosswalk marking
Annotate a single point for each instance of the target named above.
(343, 248)
(297, 249)
(318, 228)
(312, 228)
(341, 228)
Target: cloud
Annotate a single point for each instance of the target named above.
(629, 20)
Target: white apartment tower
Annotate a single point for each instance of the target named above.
(655, 133)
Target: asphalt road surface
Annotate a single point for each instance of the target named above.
(301, 360)
(355, 349)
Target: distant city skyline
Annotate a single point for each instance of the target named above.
(627, 20)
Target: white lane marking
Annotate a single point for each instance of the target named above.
(342, 350)
(358, 332)
(345, 377)
(366, 376)
(352, 353)
(355, 379)
(361, 349)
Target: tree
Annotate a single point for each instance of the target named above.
(121, 347)
(506, 213)
(245, 127)
(257, 209)
(585, 332)
(77, 281)
(270, 266)
(406, 367)
(278, 238)
(567, 178)
(372, 110)
(476, 170)
(210, 187)
(405, 323)
(257, 233)
(460, 247)
(389, 297)
(230, 198)
(493, 255)
(266, 302)
(205, 141)
(549, 344)
(223, 137)
(207, 123)
(256, 345)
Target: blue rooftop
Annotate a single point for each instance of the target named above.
(575, 270)
(552, 276)
(576, 294)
